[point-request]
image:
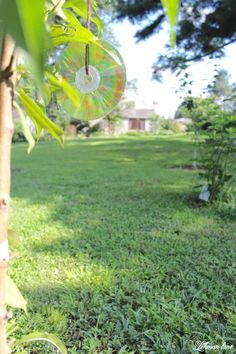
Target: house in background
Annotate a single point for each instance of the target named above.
(138, 120)
(132, 120)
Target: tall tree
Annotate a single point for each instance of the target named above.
(205, 28)
(221, 86)
(224, 91)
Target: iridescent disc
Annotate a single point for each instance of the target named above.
(102, 89)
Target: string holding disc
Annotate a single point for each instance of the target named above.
(101, 87)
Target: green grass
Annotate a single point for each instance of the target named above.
(115, 255)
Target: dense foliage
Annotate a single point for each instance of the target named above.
(215, 132)
(42, 31)
(198, 108)
(224, 91)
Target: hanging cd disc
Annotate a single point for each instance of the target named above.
(100, 87)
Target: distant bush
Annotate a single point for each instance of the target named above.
(155, 123)
(215, 132)
(216, 135)
(171, 126)
(18, 135)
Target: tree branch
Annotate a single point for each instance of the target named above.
(199, 57)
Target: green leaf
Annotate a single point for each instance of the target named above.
(61, 36)
(11, 327)
(46, 94)
(39, 118)
(56, 8)
(31, 14)
(72, 32)
(14, 297)
(172, 10)
(26, 129)
(80, 8)
(24, 21)
(70, 91)
(11, 22)
(13, 238)
(43, 336)
(81, 31)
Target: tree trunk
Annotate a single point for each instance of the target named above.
(7, 67)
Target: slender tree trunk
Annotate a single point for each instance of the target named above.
(7, 66)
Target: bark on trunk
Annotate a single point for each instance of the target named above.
(7, 66)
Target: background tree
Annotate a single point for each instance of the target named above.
(198, 108)
(223, 91)
(204, 28)
(221, 94)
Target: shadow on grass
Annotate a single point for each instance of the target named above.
(130, 259)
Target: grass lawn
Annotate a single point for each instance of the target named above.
(115, 256)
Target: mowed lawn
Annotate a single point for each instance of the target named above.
(115, 255)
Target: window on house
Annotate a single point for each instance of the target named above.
(137, 124)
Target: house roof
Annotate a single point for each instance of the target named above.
(134, 113)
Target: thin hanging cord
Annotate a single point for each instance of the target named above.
(87, 45)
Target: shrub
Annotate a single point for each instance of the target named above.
(171, 126)
(18, 135)
(155, 124)
(217, 146)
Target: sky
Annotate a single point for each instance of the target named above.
(139, 58)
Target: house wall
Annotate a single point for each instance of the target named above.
(121, 127)
(148, 125)
(124, 126)
(138, 125)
